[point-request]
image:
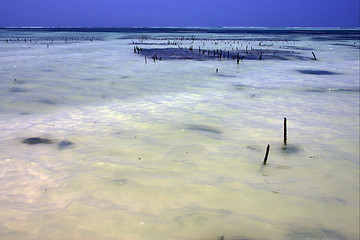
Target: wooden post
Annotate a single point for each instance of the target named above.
(314, 55)
(285, 131)
(266, 154)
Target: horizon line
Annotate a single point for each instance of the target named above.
(199, 27)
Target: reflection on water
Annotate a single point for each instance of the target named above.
(90, 133)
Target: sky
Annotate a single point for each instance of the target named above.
(179, 13)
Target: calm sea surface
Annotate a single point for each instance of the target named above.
(141, 134)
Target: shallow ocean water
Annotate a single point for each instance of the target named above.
(173, 149)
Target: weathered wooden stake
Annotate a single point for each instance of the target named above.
(285, 131)
(314, 55)
(266, 154)
(145, 59)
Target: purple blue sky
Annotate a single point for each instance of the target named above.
(179, 13)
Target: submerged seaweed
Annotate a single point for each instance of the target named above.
(324, 90)
(37, 140)
(317, 72)
(64, 144)
(48, 102)
(203, 128)
(17, 90)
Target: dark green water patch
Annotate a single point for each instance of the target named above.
(202, 128)
(290, 149)
(37, 140)
(340, 37)
(17, 90)
(48, 102)
(296, 48)
(346, 45)
(241, 86)
(224, 75)
(120, 182)
(90, 79)
(324, 90)
(317, 72)
(64, 144)
(315, 234)
(254, 148)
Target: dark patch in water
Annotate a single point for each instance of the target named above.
(317, 90)
(337, 200)
(339, 37)
(315, 234)
(240, 86)
(346, 45)
(283, 166)
(64, 144)
(24, 113)
(102, 67)
(332, 235)
(90, 79)
(47, 101)
(37, 140)
(225, 75)
(48, 70)
(122, 181)
(254, 148)
(296, 48)
(317, 72)
(17, 90)
(324, 90)
(290, 149)
(202, 128)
